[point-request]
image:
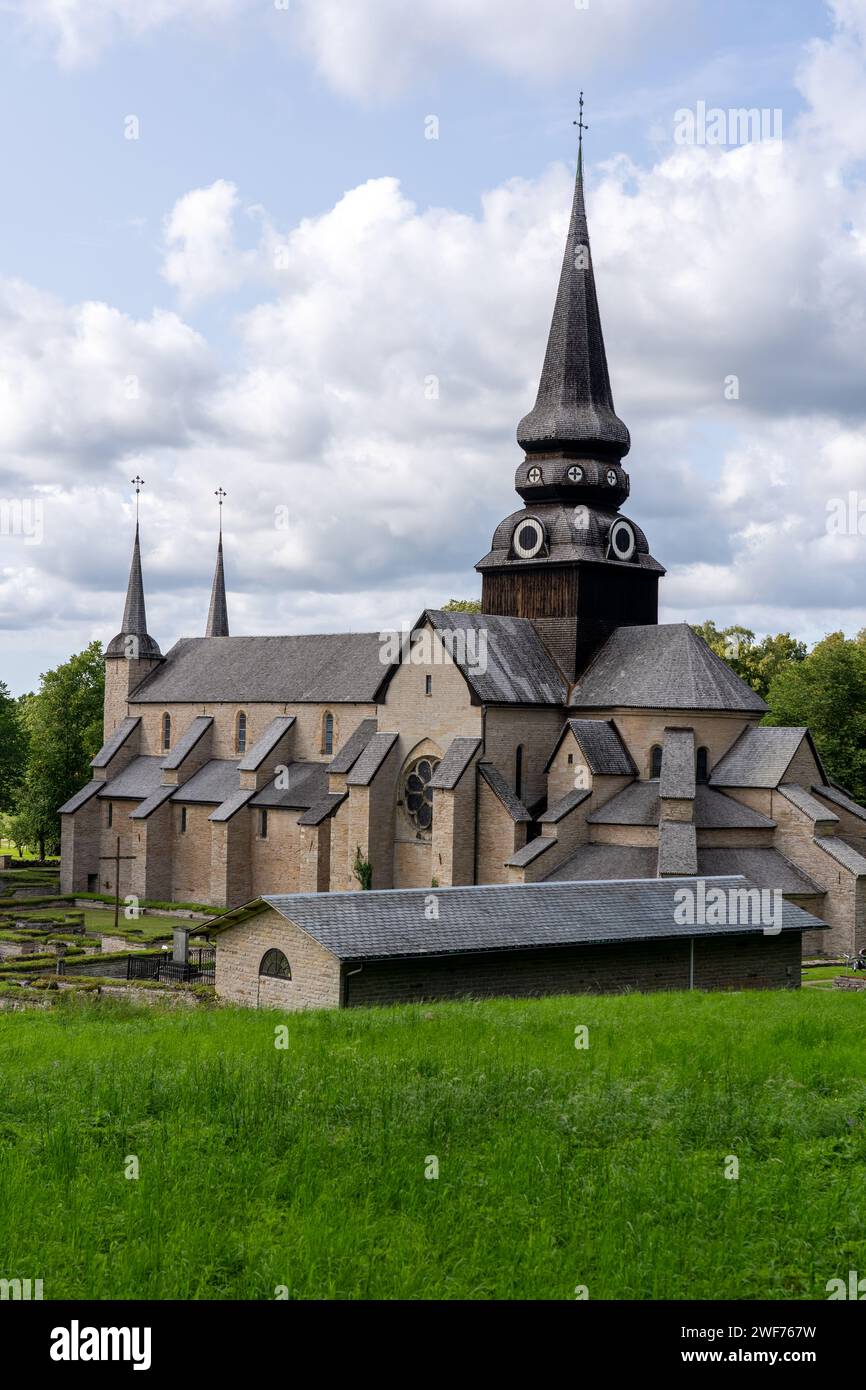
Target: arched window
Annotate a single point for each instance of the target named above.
(166, 732)
(241, 733)
(702, 765)
(328, 733)
(275, 965)
(518, 772)
(110, 816)
(656, 761)
(418, 796)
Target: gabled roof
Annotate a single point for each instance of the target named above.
(640, 804)
(115, 741)
(263, 747)
(329, 668)
(498, 785)
(503, 660)
(346, 757)
(664, 666)
(390, 924)
(760, 757)
(601, 745)
(458, 756)
(677, 779)
(192, 734)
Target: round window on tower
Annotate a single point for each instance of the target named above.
(575, 474)
(528, 538)
(534, 475)
(622, 542)
(612, 478)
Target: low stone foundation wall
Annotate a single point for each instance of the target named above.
(850, 982)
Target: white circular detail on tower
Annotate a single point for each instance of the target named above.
(534, 475)
(612, 477)
(528, 538)
(622, 540)
(575, 473)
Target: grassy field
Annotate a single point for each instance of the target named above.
(558, 1167)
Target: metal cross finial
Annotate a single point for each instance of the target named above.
(220, 494)
(581, 125)
(138, 484)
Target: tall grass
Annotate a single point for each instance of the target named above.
(558, 1167)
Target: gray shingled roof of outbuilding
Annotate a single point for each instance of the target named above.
(215, 782)
(253, 759)
(135, 781)
(677, 780)
(372, 758)
(346, 757)
(805, 802)
(664, 666)
(458, 755)
(600, 743)
(841, 799)
(678, 847)
(115, 742)
(81, 798)
(389, 924)
(328, 668)
(498, 785)
(759, 758)
(308, 783)
(515, 668)
(640, 804)
(764, 866)
(192, 734)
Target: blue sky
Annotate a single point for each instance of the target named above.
(297, 391)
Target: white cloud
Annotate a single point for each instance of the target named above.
(80, 30)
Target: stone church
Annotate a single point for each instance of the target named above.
(561, 734)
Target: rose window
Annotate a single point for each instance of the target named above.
(418, 794)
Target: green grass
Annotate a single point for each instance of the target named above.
(305, 1167)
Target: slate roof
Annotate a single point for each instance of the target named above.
(601, 745)
(389, 924)
(640, 804)
(498, 785)
(843, 853)
(513, 668)
(346, 757)
(594, 862)
(333, 668)
(115, 742)
(322, 809)
(458, 756)
(371, 760)
(765, 867)
(308, 783)
(677, 780)
(218, 613)
(135, 781)
(805, 802)
(230, 807)
(532, 850)
(255, 756)
(134, 615)
(214, 783)
(661, 666)
(759, 758)
(841, 799)
(81, 798)
(678, 848)
(555, 813)
(192, 734)
(152, 803)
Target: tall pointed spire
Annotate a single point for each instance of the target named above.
(133, 641)
(574, 409)
(218, 613)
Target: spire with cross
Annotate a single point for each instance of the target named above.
(218, 615)
(580, 123)
(221, 495)
(138, 484)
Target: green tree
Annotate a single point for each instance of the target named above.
(462, 605)
(64, 726)
(13, 748)
(827, 692)
(757, 663)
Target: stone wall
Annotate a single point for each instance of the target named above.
(315, 981)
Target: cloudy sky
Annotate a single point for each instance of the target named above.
(230, 255)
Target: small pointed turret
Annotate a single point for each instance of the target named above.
(133, 642)
(574, 409)
(218, 613)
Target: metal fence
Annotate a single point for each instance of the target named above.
(199, 969)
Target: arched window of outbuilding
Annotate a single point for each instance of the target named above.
(275, 965)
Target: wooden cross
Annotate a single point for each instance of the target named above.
(116, 857)
(581, 127)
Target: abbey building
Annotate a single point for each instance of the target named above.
(560, 735)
